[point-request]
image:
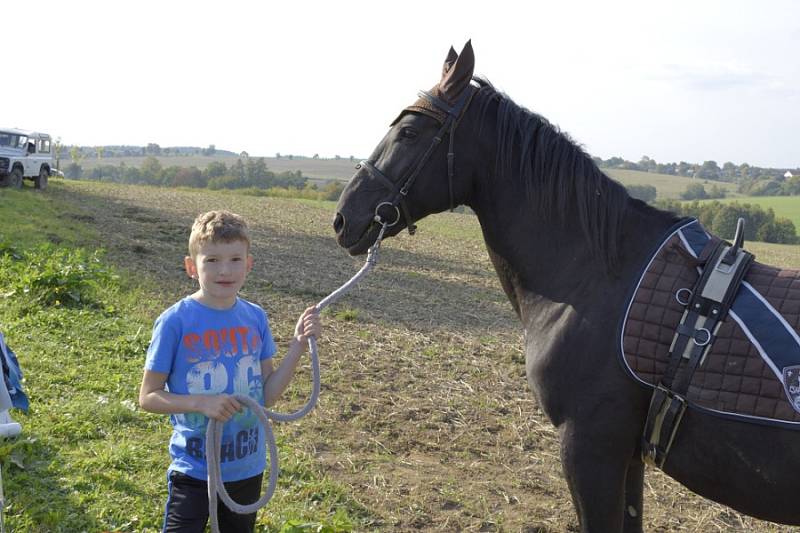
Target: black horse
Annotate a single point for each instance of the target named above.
(568, 244)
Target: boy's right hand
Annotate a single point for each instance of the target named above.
(220, 407)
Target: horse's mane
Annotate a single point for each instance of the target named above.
(559, 177)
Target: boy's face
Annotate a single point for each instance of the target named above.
(221, 269)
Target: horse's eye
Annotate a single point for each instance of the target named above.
(408, 133)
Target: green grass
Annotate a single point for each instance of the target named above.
(667, 187)
(88, 458)
(784, 206)
(35, 219)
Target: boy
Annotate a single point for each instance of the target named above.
(205, 348)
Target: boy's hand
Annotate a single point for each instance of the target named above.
(220, 407)
(308, 325)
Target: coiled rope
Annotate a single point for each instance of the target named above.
(214, 428)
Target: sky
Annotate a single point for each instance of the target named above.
(676, 81)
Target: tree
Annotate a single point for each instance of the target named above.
(708, 171)
(189, 177)
(744, 171)
(237, 170)
(73, 171)
(716, 192)
(152, 149)
(58, 148)
(76, 155)
(132, 175)
(765, 187)
(780, 230)
(152, 171)
(647, 164)
(211, 150)
(724, 223)
(694, 191)
(100, 150)
(216, 169)
(668, 168)
(684, 169)
(729, 171)
(792, 186)
(256, 172)
(645, 193)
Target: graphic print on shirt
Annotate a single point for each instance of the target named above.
(227, 342)
(211, 370)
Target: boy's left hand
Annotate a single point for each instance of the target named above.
(308, 325)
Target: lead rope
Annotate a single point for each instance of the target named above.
(214, 428)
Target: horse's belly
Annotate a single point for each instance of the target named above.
(750, 467)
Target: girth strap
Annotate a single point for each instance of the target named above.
(707, 306)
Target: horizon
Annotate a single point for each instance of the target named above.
(716, 81)
(237, 154)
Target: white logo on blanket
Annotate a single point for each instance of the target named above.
(791, 377)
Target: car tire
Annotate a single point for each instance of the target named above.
(12, 180)
(40, 181)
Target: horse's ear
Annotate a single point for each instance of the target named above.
(449, 61)
(456, 78)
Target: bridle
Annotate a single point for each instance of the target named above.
(449, 117)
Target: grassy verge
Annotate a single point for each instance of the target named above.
(88, 459)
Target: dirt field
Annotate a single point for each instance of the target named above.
(425, 412)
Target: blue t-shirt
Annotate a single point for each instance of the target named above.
(211, 351)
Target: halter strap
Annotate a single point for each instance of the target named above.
(452, 117)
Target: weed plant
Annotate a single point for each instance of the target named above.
(55, 276)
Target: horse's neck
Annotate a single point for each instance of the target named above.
(541, 262)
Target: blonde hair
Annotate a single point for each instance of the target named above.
(216, 227)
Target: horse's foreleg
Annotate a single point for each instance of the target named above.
(596, 474)
(634, 489)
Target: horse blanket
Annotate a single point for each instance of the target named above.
(752, 370)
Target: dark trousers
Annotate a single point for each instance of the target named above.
(187, 505)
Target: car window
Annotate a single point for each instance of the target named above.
(44, 146)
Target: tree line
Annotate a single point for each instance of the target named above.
(151, 149)
(253, 176)
(751, 180)
(250, 173)
(720, 219)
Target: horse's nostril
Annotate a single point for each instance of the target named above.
(338, 223)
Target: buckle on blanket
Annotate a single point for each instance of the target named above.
(663, 418)
(686, 299)
(703, 342)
